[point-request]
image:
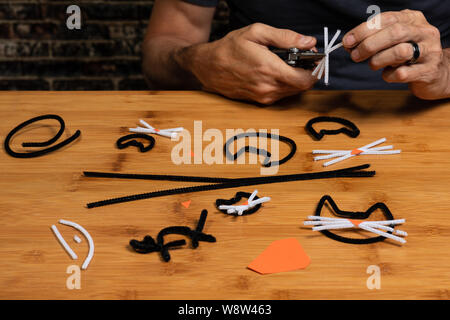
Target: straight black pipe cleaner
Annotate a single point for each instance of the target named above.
(352, 172)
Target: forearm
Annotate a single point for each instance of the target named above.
(165, 62)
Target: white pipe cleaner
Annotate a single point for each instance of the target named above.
(241, 208)
(345, 154)
(324, 64)
(169, 133)
(67, 247)
(324, 223)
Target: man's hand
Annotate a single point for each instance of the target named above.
(240, 65)
(388, 48)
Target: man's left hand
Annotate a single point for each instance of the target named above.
(389, 47)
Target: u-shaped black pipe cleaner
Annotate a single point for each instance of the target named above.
(262, 152)
(350, 130)
(129, 140)
(148, 244)
(352, 172)
(353, 215)
(238, 197)
(39, 144)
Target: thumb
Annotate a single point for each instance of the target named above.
(280, 38)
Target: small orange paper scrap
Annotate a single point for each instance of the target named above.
(355, 222)
(357, 152)
(281, 256)
(186, 204)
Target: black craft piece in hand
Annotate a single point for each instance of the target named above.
(238, 197)
(148, 244)
(353, 215)
(129, 140)
(266, 163)
(39, 144)
(352, 130)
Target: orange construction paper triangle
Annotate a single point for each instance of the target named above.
(355, 222)
(186, 204)
(245, 203)
(357, 152)
(281, 256)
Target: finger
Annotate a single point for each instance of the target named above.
(395, 56)
(280, 38)
(364, 30)
(298, 78)
(386, 38)
(405, 74)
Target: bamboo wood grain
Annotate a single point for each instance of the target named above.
(36, 193)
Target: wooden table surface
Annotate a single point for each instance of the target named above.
(37, 192)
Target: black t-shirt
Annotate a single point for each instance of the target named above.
(309, 18)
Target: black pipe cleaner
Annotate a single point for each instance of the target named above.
(129, 140)
(352, 172)
(265, 153)
(353, 215)
(351, 129)
(148, 244)
(39, 144)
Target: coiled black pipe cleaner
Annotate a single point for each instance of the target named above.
(39, 144)
(148, 244)
(129, 140)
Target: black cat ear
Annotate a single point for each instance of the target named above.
(350, 128)
(129, 140)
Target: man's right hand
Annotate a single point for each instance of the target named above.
(240, 65)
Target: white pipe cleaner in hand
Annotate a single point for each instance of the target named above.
(324, 64)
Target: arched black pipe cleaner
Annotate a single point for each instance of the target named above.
(262, 152)
(129, 140)
(350, 130)
(148, 244)
(353, 215)
(39, 144)
(352, 172)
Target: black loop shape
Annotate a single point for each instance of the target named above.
(353, 215)
(39, 144)
(353, 132)
(238, 197)
(123, 142)
(262, 152)
(148, 244)
(351, 172)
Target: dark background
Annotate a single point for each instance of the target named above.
(38, 52)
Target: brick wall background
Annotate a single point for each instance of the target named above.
(38, 51)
